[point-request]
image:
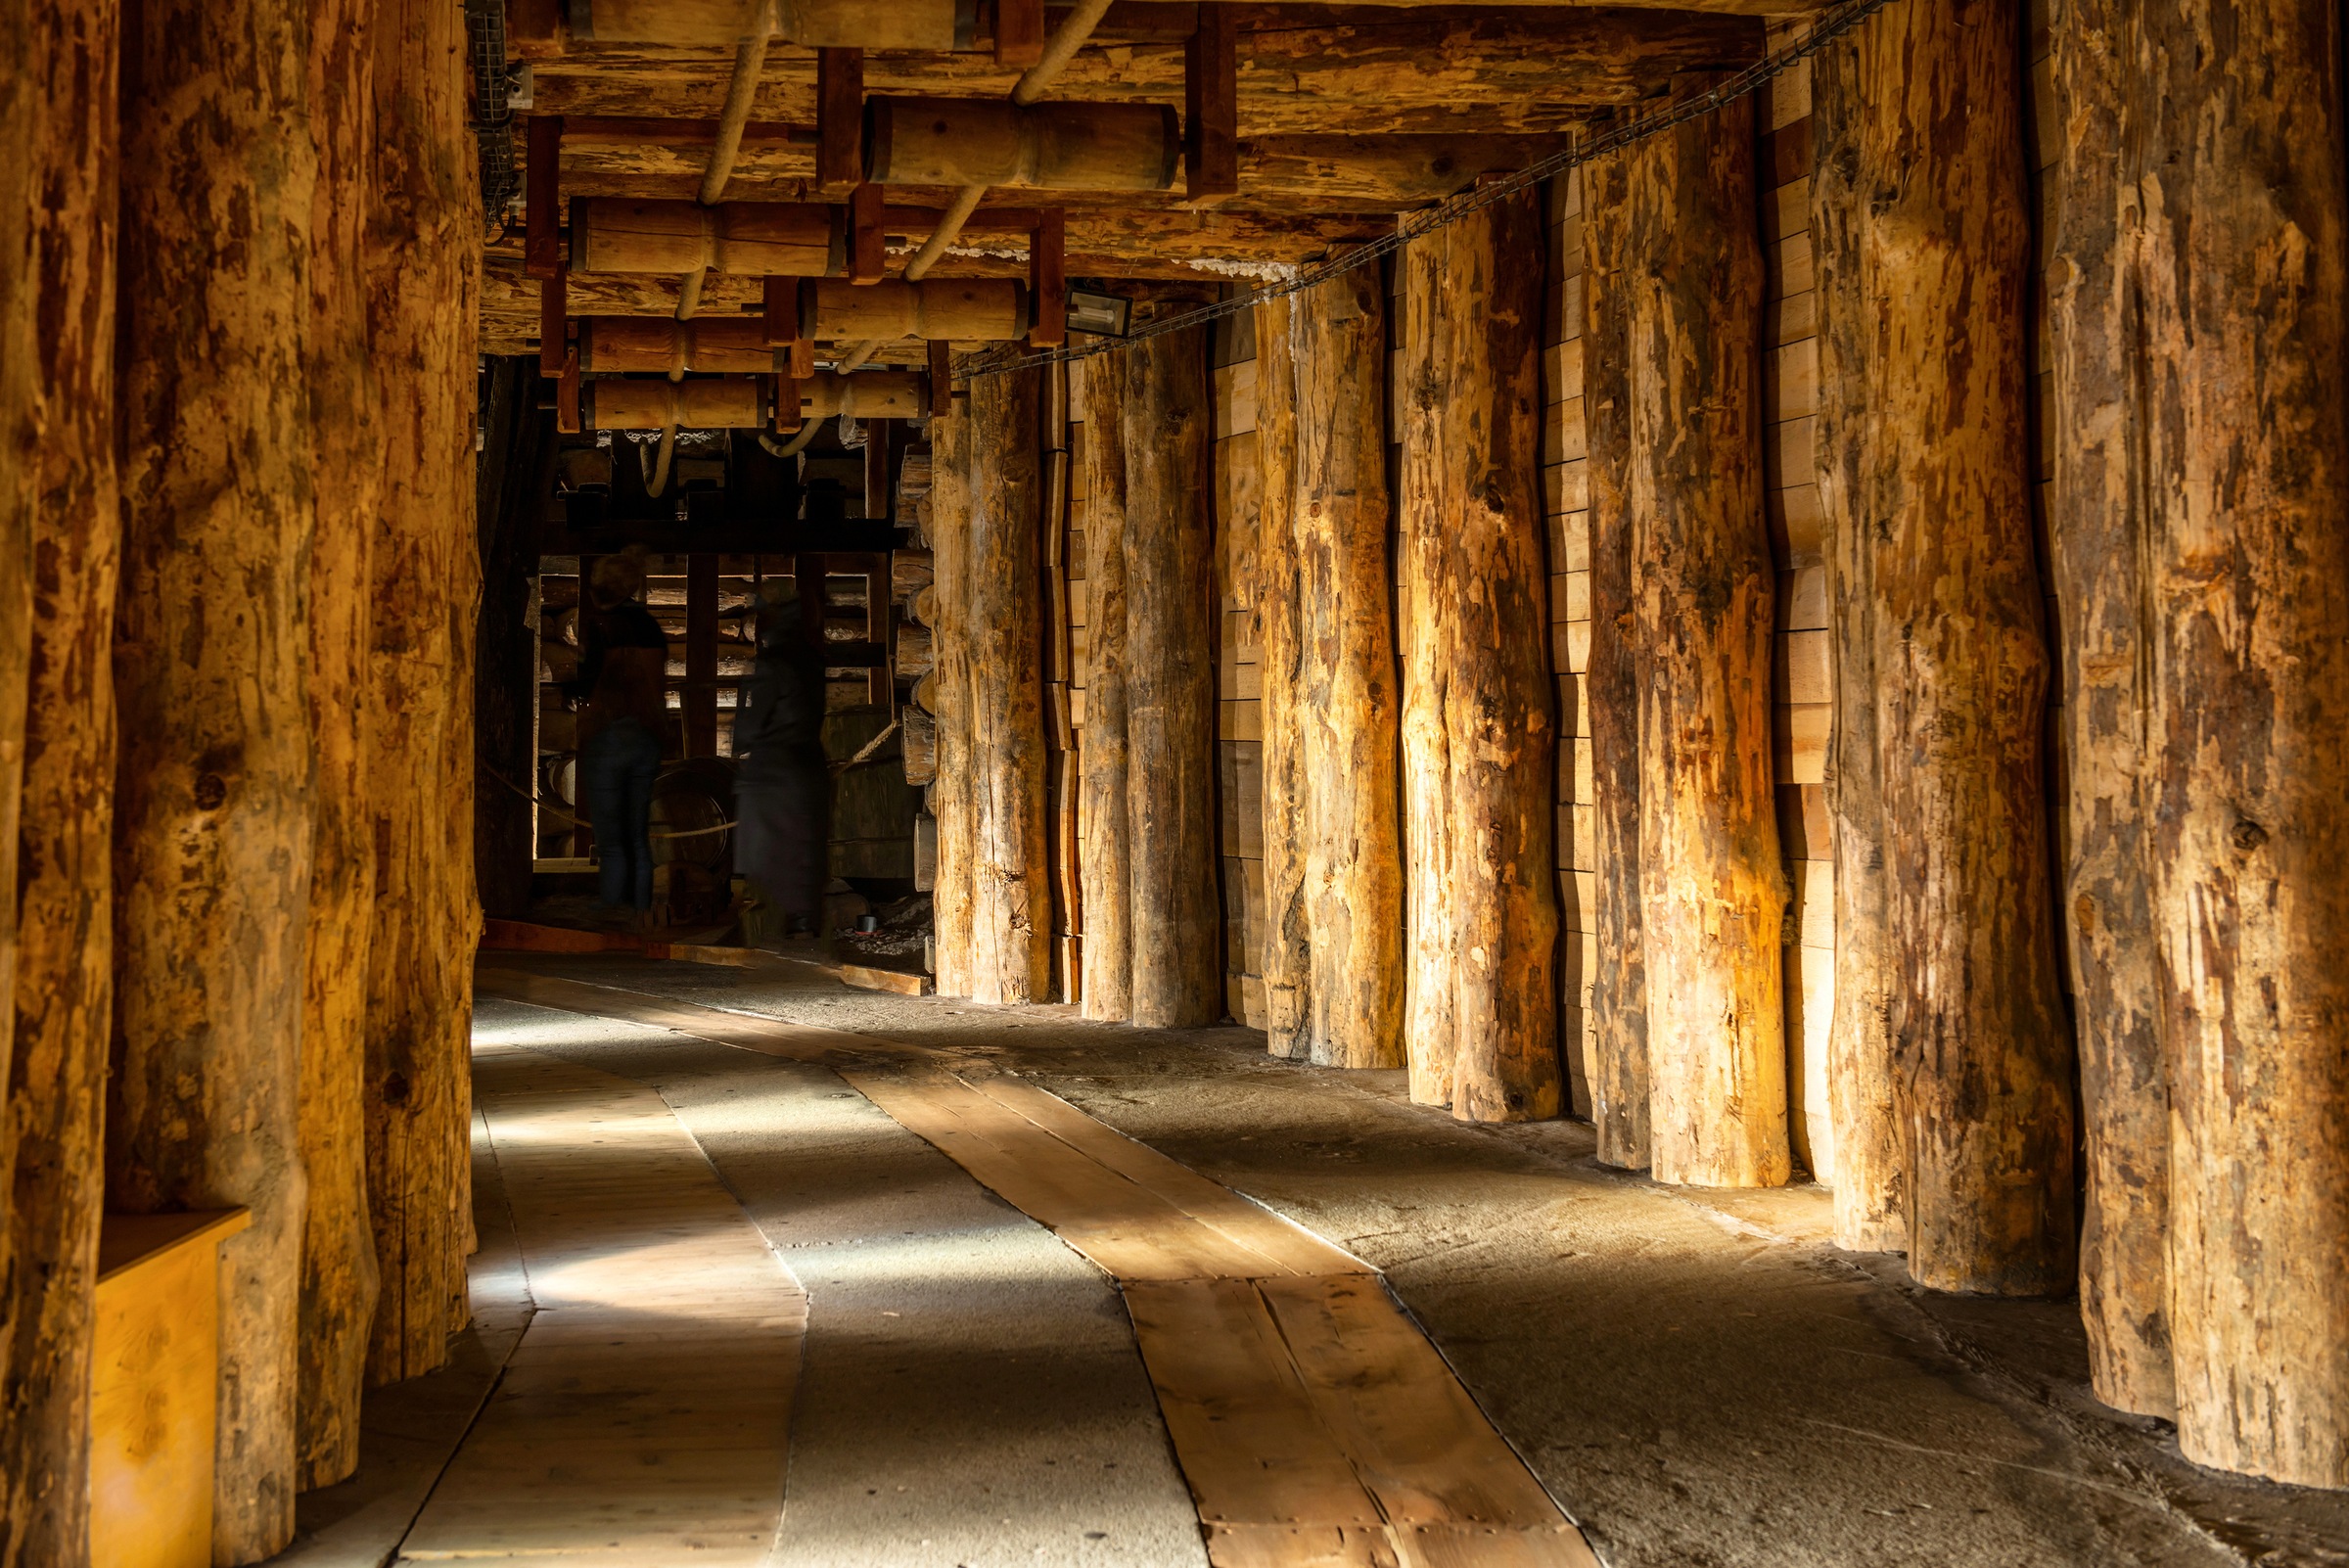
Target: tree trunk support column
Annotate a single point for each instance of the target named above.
(423, 262)
(1103, 859)
(1924, 245)
(1169, 684)
(1712, 886)
(1481, 1024)
(214, 792)
(1012, 894)
(1333, 860)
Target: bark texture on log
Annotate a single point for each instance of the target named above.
(1614, 676)
(423, 257)
(1923, 473)
(1713, 888)
(2246, 428)
(2099, 561)
(1103, 863)
(213, 782)
(1481, 1009)
(1010, 876)
(57, 367)
(1285, 960)
(1344, 704)
(952, 797)
(1174, 921)
(338, 1250)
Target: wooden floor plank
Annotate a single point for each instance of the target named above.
(1244, 1428)
(643, 1416)
(1417, 1440)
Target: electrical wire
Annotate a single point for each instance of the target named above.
(1469, 203)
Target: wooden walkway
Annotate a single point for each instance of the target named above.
(644, 1416)
(1313, 1421)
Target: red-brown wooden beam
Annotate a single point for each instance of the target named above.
(1048, 280)
(542, 244)
(787, 420)
(554, 322)
(838, 121)
(868, 235)
(567, 395)
(941, 378)
(876, 469)
(1019, 33)
(781, 312)
(1211, 91)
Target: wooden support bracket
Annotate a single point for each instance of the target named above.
(796, 355)
(1210, 146)
(868, 237)
(1048, 280)
(787, 419)
(1019, 33)
(838, 121)
(567, 395)
(941, 378)
(554, 322)
(541, 199)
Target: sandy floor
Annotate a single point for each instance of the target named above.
(1699, 1379)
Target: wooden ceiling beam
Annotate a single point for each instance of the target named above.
(1506, 70)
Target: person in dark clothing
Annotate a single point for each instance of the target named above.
(624, 656)
(782, 787)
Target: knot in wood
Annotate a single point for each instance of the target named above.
(2247, 836)
(211, 792)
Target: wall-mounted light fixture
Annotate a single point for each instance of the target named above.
(1105, 314)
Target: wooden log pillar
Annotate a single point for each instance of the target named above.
(214, 792)
(338, 1273)
(1923, 249)
(1481, 1006)
(951, 797)
(2097, 530)
(59, 106)
(1285, 961)
(1713, 891)
(423, 257)
(2233, 292)
(1614, 677)
(1105, 890)
(1010, 875)
(1174, 921)
(1333, 856)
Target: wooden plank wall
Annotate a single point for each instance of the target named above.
(1239, 688)
(1566, 518)
(1802, 698)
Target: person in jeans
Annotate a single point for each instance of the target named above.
(782, 786)
(624, 656)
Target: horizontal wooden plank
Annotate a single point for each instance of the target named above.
(1812, 913)
(1805, 672)
(1805, 832)
(1569, 646)
(1240, 722)
(1799, 742)
(1563, 439)
(1235, 400)
(1802, 600)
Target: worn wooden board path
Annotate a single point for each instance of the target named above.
(643, 1420)
(1315, 1422)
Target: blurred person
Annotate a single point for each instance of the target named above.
(782, 785)
(624, 659)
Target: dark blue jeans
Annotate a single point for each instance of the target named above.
(621, 762)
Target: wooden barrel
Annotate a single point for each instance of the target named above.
(941, 309)
(1060, 146)
(611, 346)
(863, 395)
(756, 239)
(732, 402)
(938, 25)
